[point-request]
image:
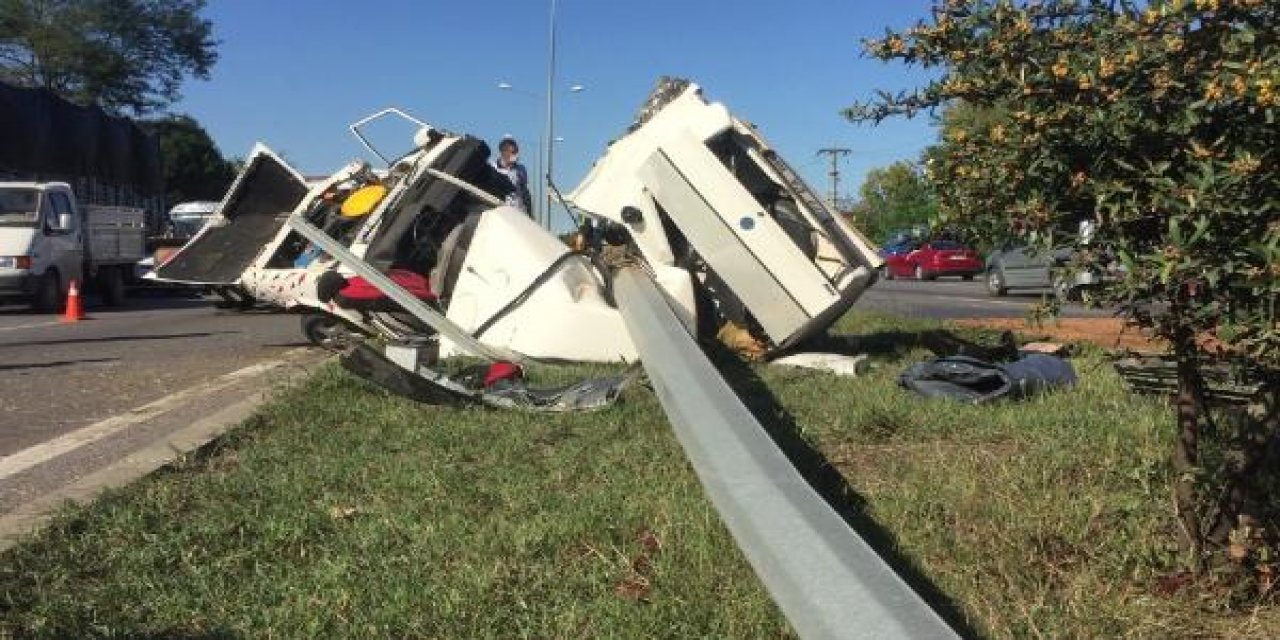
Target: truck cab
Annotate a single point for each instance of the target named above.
(41, 250)
(47, 241)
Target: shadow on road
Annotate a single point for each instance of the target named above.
(148, 303)
(166, 336)
(824, 478)
(51, 365)
(154, 303)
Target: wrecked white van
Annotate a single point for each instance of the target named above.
(691, 193)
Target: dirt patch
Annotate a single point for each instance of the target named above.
(1109, 333)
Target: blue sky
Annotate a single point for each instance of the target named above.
(294, 74)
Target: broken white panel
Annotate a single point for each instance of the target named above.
(837, 363)
(748, 249)
(566, 317)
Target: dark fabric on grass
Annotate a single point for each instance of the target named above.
(973, 380)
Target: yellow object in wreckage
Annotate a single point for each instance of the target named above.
(363, 200)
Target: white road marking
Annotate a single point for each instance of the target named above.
(51, 323)
(66, 443)
(946, 298)
(986, 301)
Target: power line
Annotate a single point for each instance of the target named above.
(835, 153)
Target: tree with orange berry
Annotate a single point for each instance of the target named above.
(1160, 123)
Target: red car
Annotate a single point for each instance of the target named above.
(933, 259)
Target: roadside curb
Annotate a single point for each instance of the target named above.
(30, 517)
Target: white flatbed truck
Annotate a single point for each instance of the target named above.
(48, 240)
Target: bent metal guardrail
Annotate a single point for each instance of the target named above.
(828, 581)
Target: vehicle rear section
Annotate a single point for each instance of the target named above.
(260, 200)
(948, 258)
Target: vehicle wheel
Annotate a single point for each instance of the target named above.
(1065, 292)
(326, 331)
(967, 278)
(234, 298)
(111, 285)
(995, 283)
(48, 293)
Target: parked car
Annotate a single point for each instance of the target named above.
(933, 259)
(895, 249)
(186, 219)
(1019, 267)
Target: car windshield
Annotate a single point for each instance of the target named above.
(19, 207)
(188, 226)
(946, 245)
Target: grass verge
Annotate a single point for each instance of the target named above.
(343, 512)
(340, 511)
(1048, 518)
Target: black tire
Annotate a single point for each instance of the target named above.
(111, 286)
(48, 293)
(328, 332)
(1066, 292)
(234, 298)
(996, 283)
(967, 278)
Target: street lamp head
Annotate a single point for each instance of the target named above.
(576, 88)
(505, 86)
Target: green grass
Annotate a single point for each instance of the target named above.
(1049, 518)
(340, 511)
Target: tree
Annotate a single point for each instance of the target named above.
(194, 169)
(1158, 121)
(127, 56)
(894, 198)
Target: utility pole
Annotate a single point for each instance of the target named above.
(549, 136)
(836, 153)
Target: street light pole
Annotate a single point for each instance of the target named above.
(549, 136)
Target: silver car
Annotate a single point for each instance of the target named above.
(1020, 267)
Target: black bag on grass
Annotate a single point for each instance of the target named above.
(973, 380)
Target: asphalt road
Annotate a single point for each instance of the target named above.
(161, 363)
(956, 298)
(57, 377)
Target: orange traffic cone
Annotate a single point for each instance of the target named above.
(75, 312)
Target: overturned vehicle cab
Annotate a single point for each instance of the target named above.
(695, 191)
(427, 256)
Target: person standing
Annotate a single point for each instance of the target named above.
(508, 165)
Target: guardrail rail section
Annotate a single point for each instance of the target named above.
(828, 581)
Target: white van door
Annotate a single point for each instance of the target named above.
(62, 230)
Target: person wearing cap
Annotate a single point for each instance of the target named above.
(507, 165)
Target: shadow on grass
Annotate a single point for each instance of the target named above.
(899, 343)
(824, 478)
(181, 634)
